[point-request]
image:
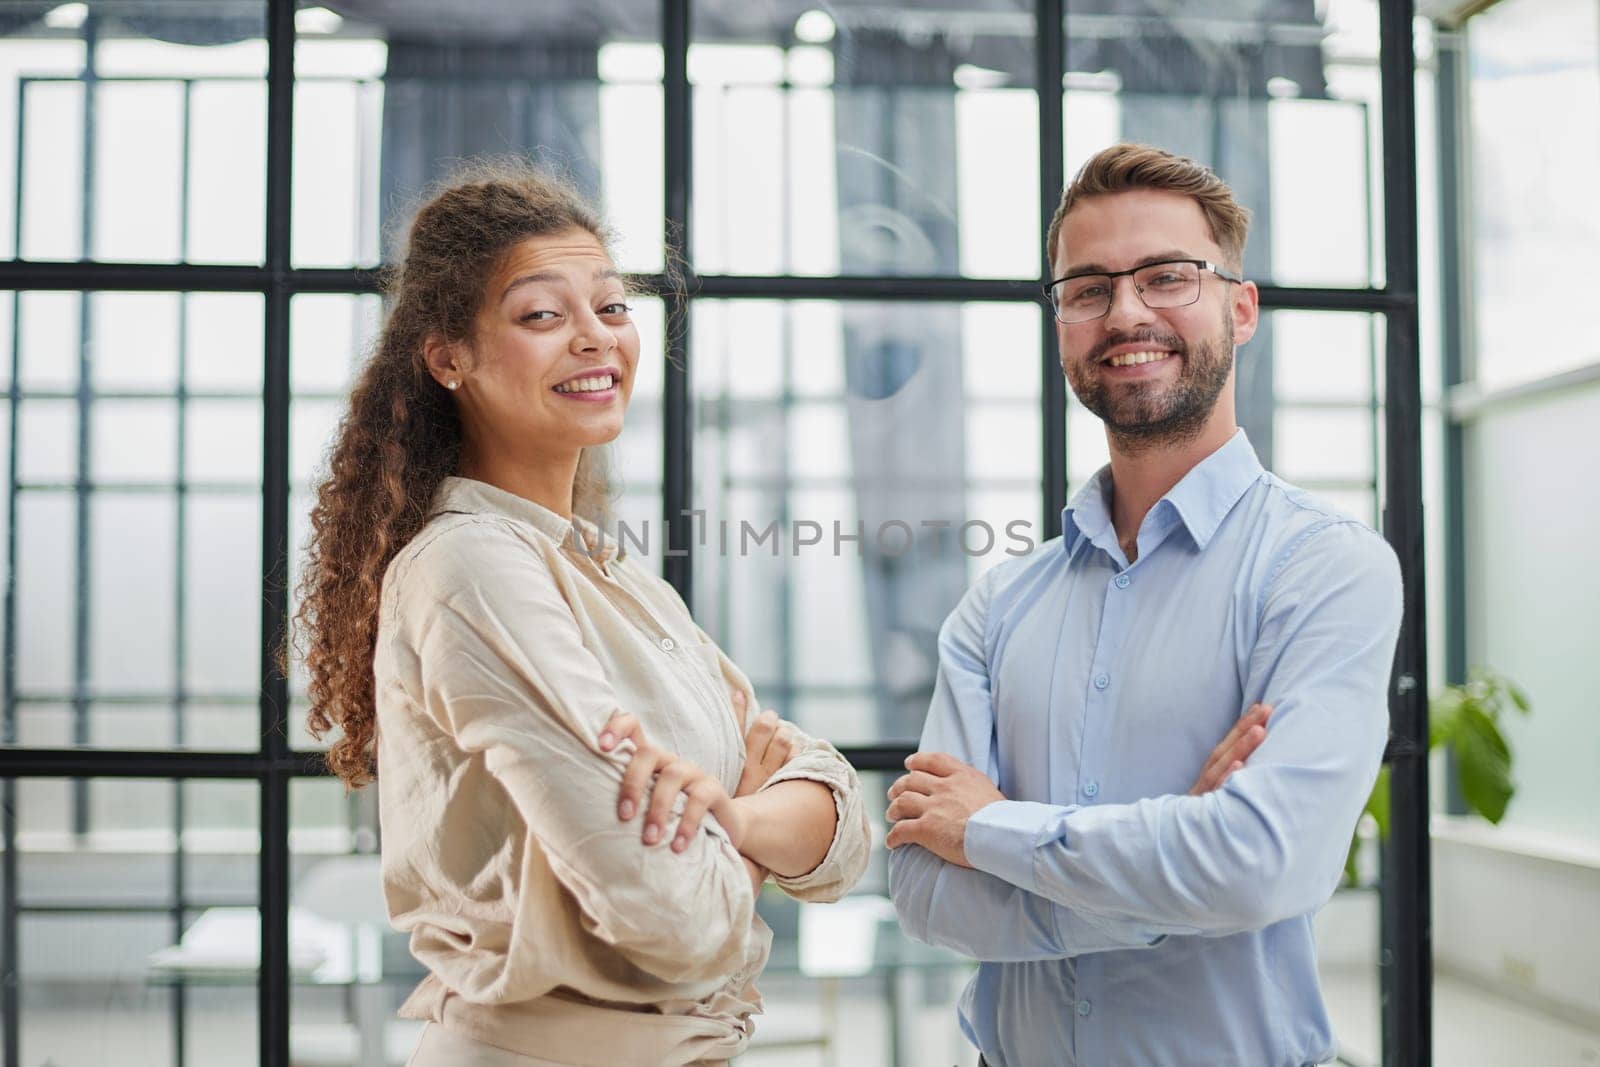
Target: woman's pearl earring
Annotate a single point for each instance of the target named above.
(452, 386)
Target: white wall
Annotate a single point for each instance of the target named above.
(1533, 587)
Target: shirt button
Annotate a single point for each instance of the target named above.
(1101, 681)
(668, 644)
(1084, 1008)
(1091, 789)
(1123, 581)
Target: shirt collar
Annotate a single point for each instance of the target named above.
(471, 497)
(1200, 500)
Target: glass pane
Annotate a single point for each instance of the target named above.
(1347, 962)
(329, 335)
(134, 340)
(859, 465)
(388, 102)
(354, 970)
(1533, 221)
(131, 625)
(158, 461)
(636, 453)
(50, 332)
(1284, 107)
(226, 343)
(120, 961)
(164, 160)
(886, 140)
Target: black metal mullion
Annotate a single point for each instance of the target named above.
(885, 757)
(157, 277)
(1406, 924)
(677, 449)
(1050, 60)
(82, 576)
(180, 592)
(1448, 98)
(10, 980)
(273, 887)
(155, 763)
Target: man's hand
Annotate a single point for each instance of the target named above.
(930, 805)
(1233, 750)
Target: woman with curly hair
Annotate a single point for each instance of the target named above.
(576, 817)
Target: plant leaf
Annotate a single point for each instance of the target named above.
(1518, 697)
(1444, 716)
(1378, 803)
(1484, 762)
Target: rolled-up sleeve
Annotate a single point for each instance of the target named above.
(502, 668)
(846, 860)
(816, 760)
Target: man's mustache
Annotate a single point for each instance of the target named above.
(1169, 341)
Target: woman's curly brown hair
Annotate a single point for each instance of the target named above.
(402, 437)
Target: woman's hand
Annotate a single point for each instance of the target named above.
(672, 775)
(768, 745)
(1234, 749)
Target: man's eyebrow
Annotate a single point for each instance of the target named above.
(1144, 261)
(546, 276)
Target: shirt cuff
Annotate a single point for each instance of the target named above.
(1001, 838)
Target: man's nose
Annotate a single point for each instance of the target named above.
(1127, 306)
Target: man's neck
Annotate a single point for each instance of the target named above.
(1140, 477)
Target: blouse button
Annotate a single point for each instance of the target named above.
(668, 644)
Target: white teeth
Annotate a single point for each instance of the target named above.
(587, 385)
(1129, 359)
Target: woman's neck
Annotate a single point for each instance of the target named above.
(547, 481)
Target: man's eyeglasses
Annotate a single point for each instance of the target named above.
(1174, 283)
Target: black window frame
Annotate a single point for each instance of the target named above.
(1406, 963)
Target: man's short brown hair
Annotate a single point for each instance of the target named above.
(1124, 167)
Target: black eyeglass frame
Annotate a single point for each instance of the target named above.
(1204, 264)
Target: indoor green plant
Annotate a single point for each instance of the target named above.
(1466, 718)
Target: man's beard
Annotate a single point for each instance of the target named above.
(1145, 415)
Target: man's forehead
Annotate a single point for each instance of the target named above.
(1118, 229)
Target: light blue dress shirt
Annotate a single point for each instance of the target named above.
(1119, 920)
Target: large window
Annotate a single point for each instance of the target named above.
(852, 409)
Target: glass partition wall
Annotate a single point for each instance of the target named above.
(850, 406)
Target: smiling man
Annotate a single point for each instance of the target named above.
(1138, 893)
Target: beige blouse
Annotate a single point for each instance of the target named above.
(505, 643)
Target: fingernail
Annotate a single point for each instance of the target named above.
(679, 844)
(652, 833)
(625, 810)
(606, 740)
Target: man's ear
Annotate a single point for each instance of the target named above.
(1245, 308)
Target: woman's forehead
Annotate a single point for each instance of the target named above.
(573, 251)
